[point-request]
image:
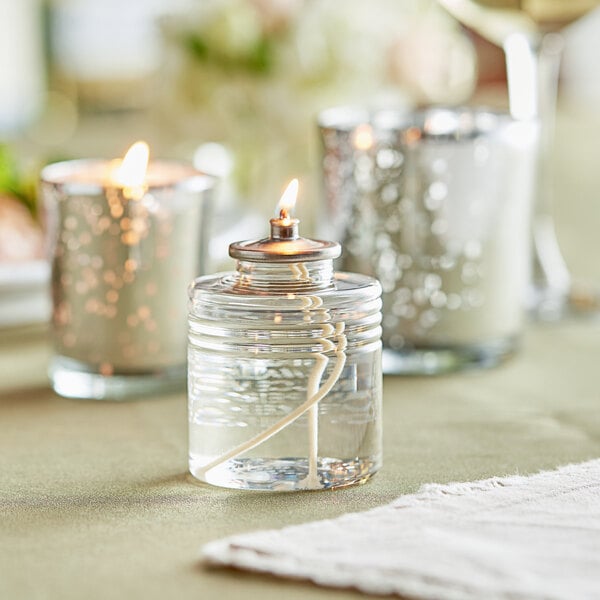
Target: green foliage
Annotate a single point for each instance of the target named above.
(13, 182)
(259, 59)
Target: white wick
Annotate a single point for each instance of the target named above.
(296, 413)
(311, 481)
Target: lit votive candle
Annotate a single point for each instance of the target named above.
(284, 383)
(126, 238)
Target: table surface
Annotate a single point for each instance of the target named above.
(95, 501)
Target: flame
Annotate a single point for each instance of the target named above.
(288, 199)
(130, 173)
(362, 137)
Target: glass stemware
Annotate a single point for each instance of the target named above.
(529, 33)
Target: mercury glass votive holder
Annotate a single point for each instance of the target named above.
(120, 269)
(436, 204)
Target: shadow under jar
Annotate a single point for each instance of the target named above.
(436, 205)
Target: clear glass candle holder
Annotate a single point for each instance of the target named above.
(436, 205)
(284, 375)
(120, 269)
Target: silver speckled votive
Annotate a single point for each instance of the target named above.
(122, 259)
(435, 204)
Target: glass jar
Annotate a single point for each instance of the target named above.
(436, 204)
(284, 369)
(120, 268)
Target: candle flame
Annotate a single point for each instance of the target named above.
(362, 137)
(130, 173)
(288, 199)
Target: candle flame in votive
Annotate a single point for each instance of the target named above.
(288, 199)
(362, 137)
(130, 174)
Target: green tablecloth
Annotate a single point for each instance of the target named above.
(94, 497)
(95, 500)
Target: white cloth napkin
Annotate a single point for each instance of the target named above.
(515, 537)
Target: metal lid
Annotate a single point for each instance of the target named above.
(284, 245)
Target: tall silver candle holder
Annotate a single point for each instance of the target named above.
(436, 205)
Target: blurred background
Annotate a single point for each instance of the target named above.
(235, 85)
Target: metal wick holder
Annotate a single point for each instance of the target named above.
(284, 245)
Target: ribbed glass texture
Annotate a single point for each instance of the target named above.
(265, 343)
